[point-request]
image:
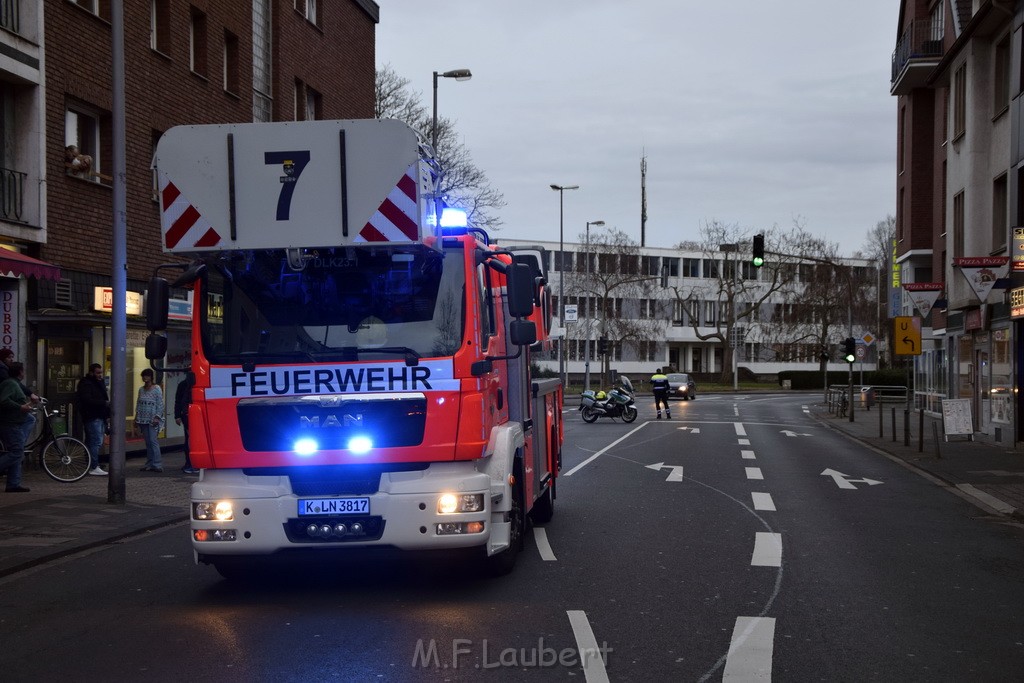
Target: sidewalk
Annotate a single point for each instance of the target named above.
(57, 519)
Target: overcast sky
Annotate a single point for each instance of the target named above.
(749, 112)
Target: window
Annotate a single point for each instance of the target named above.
(673, 266)
(1001, 77)
(960, 101)
(160, 26)
(262, 96)
(155, 139)
(958, 224)
(230, 73)
(307, 8)
(901, 139)
(1000, 200)
(691, 267)
(197, 42)
(710, 313)
(82, 138)
(679, 315)
(312, 104)
(100, 8)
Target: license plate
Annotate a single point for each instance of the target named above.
(334, 506)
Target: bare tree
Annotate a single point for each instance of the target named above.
(463, 183)
(616, 292)
(735, 287)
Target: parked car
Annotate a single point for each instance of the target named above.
(680, 385)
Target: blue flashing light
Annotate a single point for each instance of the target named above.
(453, 218)
(360, 445)
(306, 446)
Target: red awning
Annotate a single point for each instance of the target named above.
(18, 264)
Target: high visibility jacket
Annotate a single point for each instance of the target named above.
(659, 382)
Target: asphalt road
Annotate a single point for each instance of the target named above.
(739, 539)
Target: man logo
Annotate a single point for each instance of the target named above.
(330, 421)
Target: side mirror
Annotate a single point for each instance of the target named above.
(156, 346)
(520, 285)
(157, 307)
(522, 332)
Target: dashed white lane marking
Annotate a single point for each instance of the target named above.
(735, 410)
(540, 537)
(747, 455)
(767, 550)
(589, 654)
(740, 430)
(750, 652)
(754, 473)
(743, 442)
(763, 501)
(806, 409)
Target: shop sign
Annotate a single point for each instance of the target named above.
(982, 272)
(103, 300)
(924, 295)
(972, 319)
(1017, 265)
(1017, 302)
(11, 311)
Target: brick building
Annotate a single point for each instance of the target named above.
(186, 62)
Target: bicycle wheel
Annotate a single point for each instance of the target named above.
(66, 459)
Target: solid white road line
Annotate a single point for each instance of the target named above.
(987, 499)
(540, 536)
(586, 643)
(754, 473)
(763, 501)
(750, 653)
(767, 550)
(586, 462)
(740, 431)
(747, 455)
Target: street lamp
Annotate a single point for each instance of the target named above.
(587, 256)
(561, 274)
(457, 74)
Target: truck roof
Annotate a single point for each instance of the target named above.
(294, 184)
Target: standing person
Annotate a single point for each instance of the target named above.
(14, 406)
(659, 383)
(182, 399)
(149, 411)
(94, 405)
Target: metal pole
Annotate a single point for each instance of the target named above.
(735, 337)
(561, 289)
(586, 362)
(119, 274)
(849, 307)
(433, 128)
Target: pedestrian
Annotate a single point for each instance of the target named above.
(14, 406)
(149, 411)
(182, 399)
(6, 358)
(94, 406)
(659, 383)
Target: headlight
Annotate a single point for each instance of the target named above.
(450, 503)
(219, 511)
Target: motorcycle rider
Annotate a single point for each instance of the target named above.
(659, 383)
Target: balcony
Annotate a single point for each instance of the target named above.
(12, 195)
(10, 15)
(916, 55)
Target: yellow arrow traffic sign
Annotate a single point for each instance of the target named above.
(906, 338)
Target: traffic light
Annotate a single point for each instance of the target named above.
(602, 346)
(758, 258)
(849, 349)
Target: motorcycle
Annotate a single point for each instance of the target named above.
(617, 402)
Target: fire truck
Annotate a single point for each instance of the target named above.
(360, 356)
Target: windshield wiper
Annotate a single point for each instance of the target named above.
(411, 356)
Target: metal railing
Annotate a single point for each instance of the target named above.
(923, 39)
(12, 194)
(837, 396)
(10, 15)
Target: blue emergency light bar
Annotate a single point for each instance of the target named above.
(453, 218)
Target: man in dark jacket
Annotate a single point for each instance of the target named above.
(94, 406)
(659, 383)
(182, 399)
(14, 406)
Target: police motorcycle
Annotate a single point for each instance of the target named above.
(616, 402)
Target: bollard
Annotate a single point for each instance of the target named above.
(881, 422)
(906, 426)
(935, 435)
(920, 431)
(894, 424)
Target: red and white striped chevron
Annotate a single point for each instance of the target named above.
(396, 220)
(184, 227)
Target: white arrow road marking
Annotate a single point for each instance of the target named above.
(767, 550)
(590, 655)
(675, 475)
(747, 455)
(792, 433)
(754, 473)
(540, 537)
(750, 652)
(763, 501)
(844, 483)
(692, 430)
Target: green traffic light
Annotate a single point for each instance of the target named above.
(758, 261)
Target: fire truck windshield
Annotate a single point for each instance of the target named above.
(356, 303)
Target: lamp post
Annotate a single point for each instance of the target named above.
(733, 248)
(586, 255)
(457, 74)
(561, 275)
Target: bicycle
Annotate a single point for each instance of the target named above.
(62, 456)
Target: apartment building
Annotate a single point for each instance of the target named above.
(958, 200)
(185, 62)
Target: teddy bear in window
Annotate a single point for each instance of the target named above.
(79, 164)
